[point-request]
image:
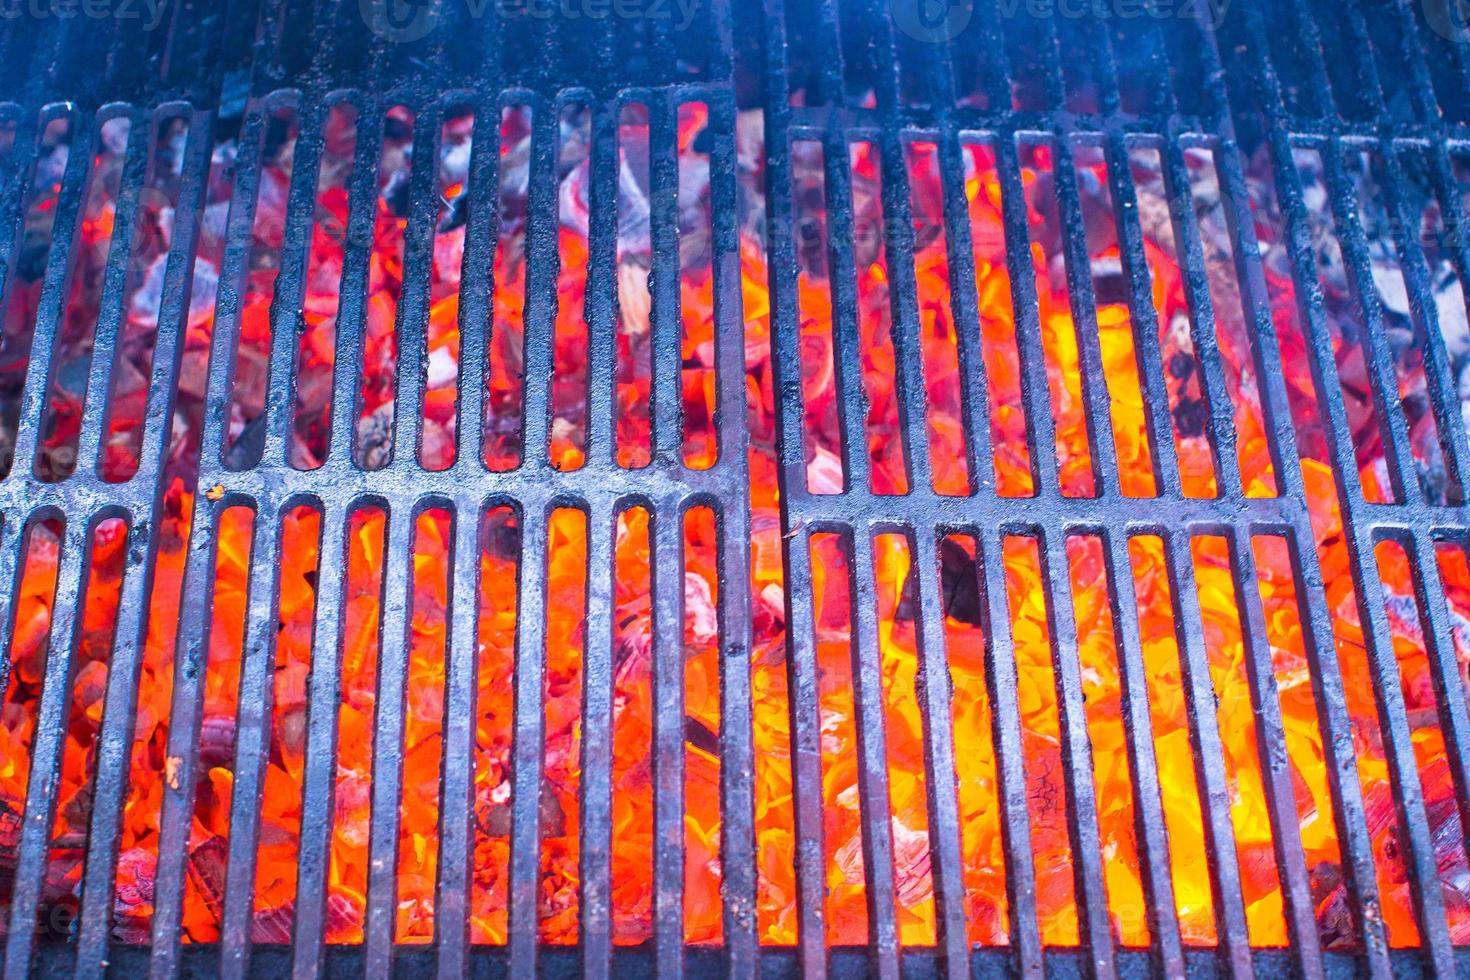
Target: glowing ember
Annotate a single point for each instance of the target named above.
(292, 545)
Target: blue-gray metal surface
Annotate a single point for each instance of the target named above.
(286, 55)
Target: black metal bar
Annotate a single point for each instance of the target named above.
(252, 740)
(1015, 824)
(1209, 756)
(737, 764)
(1151, 831)
(1276, 768)
(457, 803)
(380, 926)
(872, 756)
(595, 932)
(319, 781)
(46, 750)
(115, 742)
(1094, 923)
(667, 573)
(596, 904)
(530, 727)
(191, 652)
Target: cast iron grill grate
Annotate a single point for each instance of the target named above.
(1294, 156)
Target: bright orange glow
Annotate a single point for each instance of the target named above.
(834, 592)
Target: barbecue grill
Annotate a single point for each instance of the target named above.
(873, 487)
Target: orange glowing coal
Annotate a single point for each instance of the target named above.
(1028, 597)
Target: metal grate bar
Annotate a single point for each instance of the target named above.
(398, 591)
(597, 739)
(530, 667)
(318, 798)
(192, 653)
(115, 742)
(1291, 862)
(872, 754)
(668, 556)
(597, 660)
(1094, 924)
(667, 572)
(934, 698)
(737, 814)
(1000, 672)
(852, 405)
(1209, 760)
(1105, 476)
(806, 759)
(1151, 832)
(412, 324)
(50, 716)
(35, 835)
(49, 307)
(1202, 321)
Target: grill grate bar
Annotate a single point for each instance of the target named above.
(1202, 323)
(41, 788)
(1151, 832)
(398, 581)
(597, 739)
(1400, 458)
(666, 532)
(806, 759)
(252, 734)
(49, 307)
(667, 573)
(852, 404)
(1094, 924)
(732, 514)
(935, 707)
(530, 667)
(1000, 673)
(456, 842)
(597, 657)
(934, 686)
(1105, 476)
(318, 800)
(191, 655)
(412, 323)
(1209, 758)
(46, 751)
(872, 754)
(115, 742)
(1291, 862)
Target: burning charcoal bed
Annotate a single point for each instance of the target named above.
(814, 486)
